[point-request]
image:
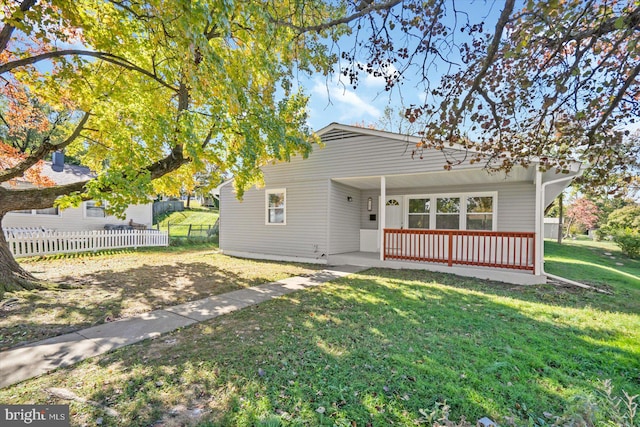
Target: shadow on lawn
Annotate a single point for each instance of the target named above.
(624, 299)
(360, 350)
(75, 302)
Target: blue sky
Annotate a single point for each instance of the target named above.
(333, 99)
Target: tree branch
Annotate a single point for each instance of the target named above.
(7, 30)
(491, 51)
(621, 92)
(345, 20)
(107, 57)
(632, 20)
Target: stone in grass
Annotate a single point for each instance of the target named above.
(486, 422)
(607, 253)
(619, 264)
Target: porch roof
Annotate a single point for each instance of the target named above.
(432, 179)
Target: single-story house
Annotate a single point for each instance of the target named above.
(363, 198)
(88, 216)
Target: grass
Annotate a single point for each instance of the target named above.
(378, 348)
(87, 289)
(595, 263)
(194, 222)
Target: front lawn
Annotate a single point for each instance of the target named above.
(379, 348)
(87, 289)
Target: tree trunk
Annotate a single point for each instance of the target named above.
(12, 276)
(188, 199)
(560, 218)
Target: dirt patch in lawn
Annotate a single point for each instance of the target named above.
(91, 289)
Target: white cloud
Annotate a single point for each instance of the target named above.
(379, 80)
(332, 102)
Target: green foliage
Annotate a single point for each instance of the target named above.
(628, 240)
(623, 226)
(626, 217)
(205, 85)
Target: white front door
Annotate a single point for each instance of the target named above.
(393, 212)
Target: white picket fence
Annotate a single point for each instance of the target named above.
(25, 243)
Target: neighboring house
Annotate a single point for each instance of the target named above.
(88, 216)
(364, 199)
(551, 226)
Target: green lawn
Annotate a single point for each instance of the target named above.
(595, 263)
(194, 222)
(380, 348)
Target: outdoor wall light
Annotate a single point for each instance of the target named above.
(349, 199)
(370, 204)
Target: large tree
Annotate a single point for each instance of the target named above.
(554, 81)
(137, 88)
(140, 89)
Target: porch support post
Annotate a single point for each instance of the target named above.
(383, 220)
(539, 241)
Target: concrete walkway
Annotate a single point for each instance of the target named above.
(31, 360)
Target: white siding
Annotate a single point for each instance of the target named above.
(73, 219)
(320, 221)
(243, 228)
(344, 234)
(365, 216)
(360, 155)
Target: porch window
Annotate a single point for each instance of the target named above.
(480, 213)
(93, 209)
(419, 210)
(276, 206)
(448, 213)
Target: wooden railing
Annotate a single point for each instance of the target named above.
(44, 242)
(514, 250)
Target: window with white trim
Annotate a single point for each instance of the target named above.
(94, 209)
(472, 211)
(419, 210)
(448, 213)
(480, 213)
(276, 206)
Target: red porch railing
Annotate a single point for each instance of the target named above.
(498, 249)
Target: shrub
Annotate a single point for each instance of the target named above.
(629, 241)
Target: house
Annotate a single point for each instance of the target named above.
(362, 198)
(551, 226)
(88, 216)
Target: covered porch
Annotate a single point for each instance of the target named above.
(466, 222)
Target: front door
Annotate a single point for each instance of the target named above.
(393, 212)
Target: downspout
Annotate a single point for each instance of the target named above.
(539, 244)
(539, 220)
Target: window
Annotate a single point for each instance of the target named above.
(94, 209)
(458, 211)
(419, 213)
(448, 213)
(480, 213)
(49, 211)
(276, 207)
